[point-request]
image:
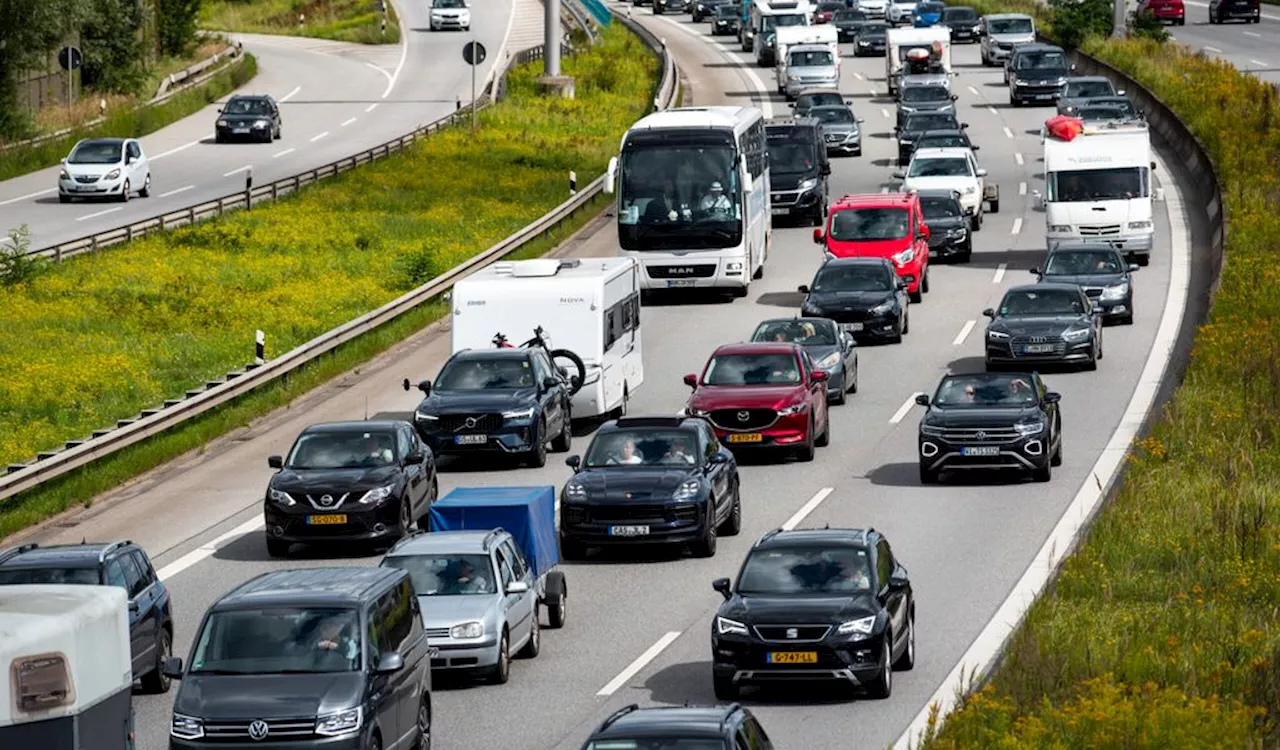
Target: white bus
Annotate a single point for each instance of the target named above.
(765, 17)
(693, 198)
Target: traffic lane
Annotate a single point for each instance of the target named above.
(1253, 48)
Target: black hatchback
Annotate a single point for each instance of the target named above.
(250, 118)
(1102, 272)
(864, 296)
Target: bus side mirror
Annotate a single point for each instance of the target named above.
(611, 175)
(744, 177)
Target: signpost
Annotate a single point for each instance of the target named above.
(70, 59)
(473, 53)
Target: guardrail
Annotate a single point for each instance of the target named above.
(152, 422)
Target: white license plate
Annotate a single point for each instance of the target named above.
(981, 450)
(472, 439)
(77, 188)
(780, 211)
(1037, 348)
(628, 531)
(240, 131)
(851, 326)
(680, 282)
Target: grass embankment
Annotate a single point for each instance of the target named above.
(126, 118)
(1161, 631)
(341, 20)
(103, 336)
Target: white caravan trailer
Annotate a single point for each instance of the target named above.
(68, 671)
(590, 306)
(936, 40)
(763, 21)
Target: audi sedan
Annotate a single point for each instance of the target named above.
(1044, 323)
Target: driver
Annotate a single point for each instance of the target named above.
(334, 636)
(467, 581)
(680, 451)
(375, 449)
(715, 201)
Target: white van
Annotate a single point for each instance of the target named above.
(936, 40)
(590, 306)
(794, 75)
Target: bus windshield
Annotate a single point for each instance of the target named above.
(675, 197)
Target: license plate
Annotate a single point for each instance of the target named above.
(851, 326)
(240, 131)
(1037, 348)
(793, 657)
(628, 531)
(333, 519)
(680, 282)
(746, 437)
(780, 211)
(980, 450)
(472, 439)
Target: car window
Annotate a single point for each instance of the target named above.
(135, 582)
(76, 576)
(144, 565)
(504, 569)
(403, 443)
(808, 362)
(752, 369)
(134, 150)
(483, 373)
(397, 617)
(869, 224)
(709, 442)
(518, 566)
(115, 575)
(642, 446)
(799, 331)
(884, 563)
(984, 390)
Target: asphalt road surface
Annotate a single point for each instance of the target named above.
(965, 544)
(1253, 48)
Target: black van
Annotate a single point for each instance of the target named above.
(332, 658)
(798, 168)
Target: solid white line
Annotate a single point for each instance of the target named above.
(1018, 158)
(100, 213)
(906, 407)
(383, 72)
(964, 332)
(291, 94)
(973, 91)
(747, 69)
(884, 113)
(28, 196)
(1017, 225)
(318, 137)
(1000, 269)
(634, 667)
(348, 122)
(175, 150)
(1253, 34)
(1007, 132)
(238, 171)
(175, 192)
(807, 508)
(1214, 50)
(370, 107)
(1259, 63)
(203, 552)
(391, 80)
(282, 153)
(1022, 188)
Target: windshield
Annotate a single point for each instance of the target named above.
(727, 11)
(657, 743)
(679, 197)
(1094, 113)
(803, 332)
(985, 389)
(246, 107)
(484, 374)
(449, 4)
(279, 640)
(791, 158)
(940, 208)
(1010, 26)
(752, 369)
(926, 94)
(929, 121)
(852, 278)
(1048, 60)
(1086, 89)
(24, 576)
(342, 450)
(446, 575)
(942, 141)
(833, 114)
(643, 448)
(1089, 185)
(97, 152)
(960, 14)
(810, 59)
(805, 570)
(947, 167)
(869, 224)
(873, 29)
(1024, 302)
(825, 99)
(830, 7)
(1076, 262)
(924, 9)
(850, 15)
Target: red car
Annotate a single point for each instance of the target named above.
(826, 12)
(1172, 11)
(881, 225)
(763, 394)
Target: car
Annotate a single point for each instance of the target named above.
(807, 99)
(317, 658)
(1102, 272)
(1079, 88)
(799, 168)
(725, 20)
(1006, 421)
(964, 22)
(1000, 33)
(832, 349)
(1037, 73)
(847, 23)
(253, 117)
(651, 480)
(864, 296)
(670, 6)
(900, 11)
(704, 9)
(953, 169)
(871, 40)
(927, 13)
(881, 225)
(916, 124)
(810, 65)
(105, 168)
(826, 11)
(918, 97)
(679, 727)
(763, 395)
(841, 128)
(121, 563)
(1099, 108)
(1044, 323)
(1221, 11)
(497, 401)
(956, 138)
(827, 605)
(949, 232)
(366, 481)
(1170, 11)
(450, 14)
(873, 8)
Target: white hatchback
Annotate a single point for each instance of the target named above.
(900, 11)
(105, 168)
(952, 169)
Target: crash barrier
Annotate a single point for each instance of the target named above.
(152, 422)
(583, 20)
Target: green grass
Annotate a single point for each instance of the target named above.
(103, 336)
(357, 21)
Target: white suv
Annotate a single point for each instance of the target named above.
(952, 169)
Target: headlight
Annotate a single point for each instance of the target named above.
(575, 491)
(1020, 82)
(997, 335)
(1139, 225)
(862, 626)
(186, 727)
(808, 184)
(906, 109)
(344, 722)
(793, 409)
(904, 257)
(467, 630)
(222, 123)
(518, 414)
(793, 79)
(1060, 228)
(976, 28)
(377, 494)
(111, 175)
(63, 175)
(697, 412)
(863, 43)
(1116, 292)
(1078, 334)
(284, 498)
(725, 626)
(688, 490)
(829, 361)
(261, 123)
(957, 232)
(1028, 428)
(419, 414)
(933, 430)
(883, 308)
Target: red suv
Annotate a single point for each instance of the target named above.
(1172, 11)
(881, 225)
(763, 394)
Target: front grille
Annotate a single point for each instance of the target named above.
(743, 419)
(783, 633)
(1059, 345)
(479, 423)
(780, 200)
(642, 513)
(1099, 230)
(238, 731)
(333, 502)
(1093, 291)
(979, 435)
(86, 179)
(695, 271)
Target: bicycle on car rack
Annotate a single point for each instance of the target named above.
(575, 382)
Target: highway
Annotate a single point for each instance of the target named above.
(337, 99)
(966, 544)
(1254, 48)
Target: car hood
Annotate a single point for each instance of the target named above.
(839, 128)
(846, 301)
(92, 169)
(812, 71)
(799, 610)
(911, 133)
(981, 416)
(1039, 325)
(249, 697)
(243, 117)
(709, 397)
(624, 483)
(447, 611)
(1086, 279)
(450, 12)
(943, 223)
(470, 402)
(1019, 38)
(818, 351)
(726, 19)
(906, 108)
(783, 181)
(333, 481)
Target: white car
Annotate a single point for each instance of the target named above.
(952, 169)
(873, 8)
(105, 168)
(450, 14)
(900, 11)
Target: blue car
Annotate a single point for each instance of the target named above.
(927, 14)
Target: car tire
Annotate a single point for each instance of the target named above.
(732, 525)
(571, 549)
(534, 645)
(916, 297)
(975, 223)
(928, 476)
(724, 687)
(882, 686)
(145, 192)
(994, 206)
(500, 673)
(1092, 364)
(807, 451)
(1043, 473)
(1056, 458)
(155, 682)
(966, 255)
(557, 599)
(537, 458)
(837, 397)
(125, 191)
(64, 198)
(424, 727)
(908, 658)
(1127, 320)
(1015, 102)
(278, 548)
(823, 440)
(924, 282)
(433, 494)
(706, 545)
(405, 517)
(564, 441)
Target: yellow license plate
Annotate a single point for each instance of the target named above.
(793, 657)
(332, 519)
(746, 437)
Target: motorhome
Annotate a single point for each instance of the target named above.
(805, 71)
(766, 17)
(590, 306)
(1098, 188)
(935, 40)
(68, 668)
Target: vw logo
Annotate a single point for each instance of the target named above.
(793, 633)
(744, 416)
(326, 500)
(470, 422)
(258, 730)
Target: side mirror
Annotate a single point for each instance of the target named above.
(389, 662)
(517, 587)
(405, 383)
(861, 119)
(1133, 267)
(425, 387)
(818, 236)
(922, 399)
(275, 462)
(550, 382)
(803, 289)
(990, 313)
(1153, 166)
(744, 177)
(981, 172)
(724, 587)
(901, 285)
(611, 175)
(219, 110)
(1095, 312)
(172, 668)
(1120, 92)
(1073, 67)
(819, 376)
(897, 583)
(1052, 397)
(975, 147)
(848, 102)
(1036, 271)
(825, 170)
(691, 380)
(133, 606)
(574, 462)
(954, 97)
(964, 126)
(718, 458)
(899, 174)
(414, 457)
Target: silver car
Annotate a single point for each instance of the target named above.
(840, 128)
(478, 595)
(1001, 32)
(105, 168)
(810, 66)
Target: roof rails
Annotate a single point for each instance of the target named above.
(488, 538)
(618, 715)
(102, 556)
(12, 552)
(730, 710)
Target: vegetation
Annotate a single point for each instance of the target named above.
(1161, 630)
(343, 20)
(102, 336)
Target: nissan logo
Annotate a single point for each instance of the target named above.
(258, 730)
(470, 422)
(326, 500)
(744, 416)
(793, 633)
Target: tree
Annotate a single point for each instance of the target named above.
(1076, 20)
(176, 24)
(113, 55)
(28, 31)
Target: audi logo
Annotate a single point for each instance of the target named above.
(744, 416)
(258, 730)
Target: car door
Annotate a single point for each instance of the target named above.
(405, 636)
(380, 698)
(892, 601)
(414, 473)
(552, 399)
(522, 606)
(817, 391)
(718, 475)
(153, 601)
(275, 112)
(141, 642)
(138, 167)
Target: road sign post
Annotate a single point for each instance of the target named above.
(70, 59)
(473, 53)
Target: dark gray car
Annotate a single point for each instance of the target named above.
(248, 117)
(831, 349)
(1102, 272)
(1079, 88)
(1044, 324)
(841, 129)
(922, 97)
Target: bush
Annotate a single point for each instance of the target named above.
(357, 21)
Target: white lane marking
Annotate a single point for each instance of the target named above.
(370, 107)
(643, 659)
(318, 137)
(348, 122)
(28, 196)
(1259, 63)
(964, 332)
(807, 508)
(859, 76)
(1253, 34)
(747, 69)
(906, 407)
(383, 72)
(976, 662)
(291, 94)
(884, 113)
(974, 91)
(872, 90)
(99, 213)
(1022, 188)
(1017, 226)
(175, 192)
(993, 111)
(239, 170)
(1018, 158)
(1008, 133)
(174, 150)
(395, 76)
(1000, 269)
(1214, 50)
(205, 551)
(282, 153)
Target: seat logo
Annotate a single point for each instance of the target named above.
(793, 633)
(744, 416)
(258, 730)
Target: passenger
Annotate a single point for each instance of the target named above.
(715, 201)
(376, 449)
(629, 455)
(680, 452)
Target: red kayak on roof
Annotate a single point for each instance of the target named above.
(1064, 127)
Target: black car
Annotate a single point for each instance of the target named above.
(815, 604)
(1104, 108)
(965, 23)
(949, 234)
(349, 482)
(1079, 88)
(313, 659)
(511, 401)
(702, 9)
(915, 125)
(1102, 272)
(248, 117)
(957, 138)
(921, 98)
(798, 168)
(865, 296)
(680, 728)
(1036, 73)
(651, 480)
(808, 99)
(669, 6)
(847, 22)
(1053, 323)
(871, 40)
(990, 421)
(832, 350)
(725, 20)
(123, 564)
(1249, 11)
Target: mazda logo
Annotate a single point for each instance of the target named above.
(258, 730)
(744, 416)
(793, 633)
(326, 500)
(470, 422)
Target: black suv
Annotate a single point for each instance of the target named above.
(1037, 73)
(692, 727)
(332, 658)
(815, 604)
(511, 401)
(949, 234)
(1044, 323)
(990, 421)
(248, 117)
(1250, 11)
(863, 295)
(122, 564)
(349, 482)
(917, 124)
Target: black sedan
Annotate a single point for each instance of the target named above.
(965, 24)
(831, 349)
(1102, 272)
(651, 480)
(809, 99)
(949, 234)
(990, 421)
(917, 124)
(822, 605)
(1044, 323)
(245, 117)
(725, 20)
(847, 23)
(865, 296)
(956, 138)
(349, 481)
(872, 39)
